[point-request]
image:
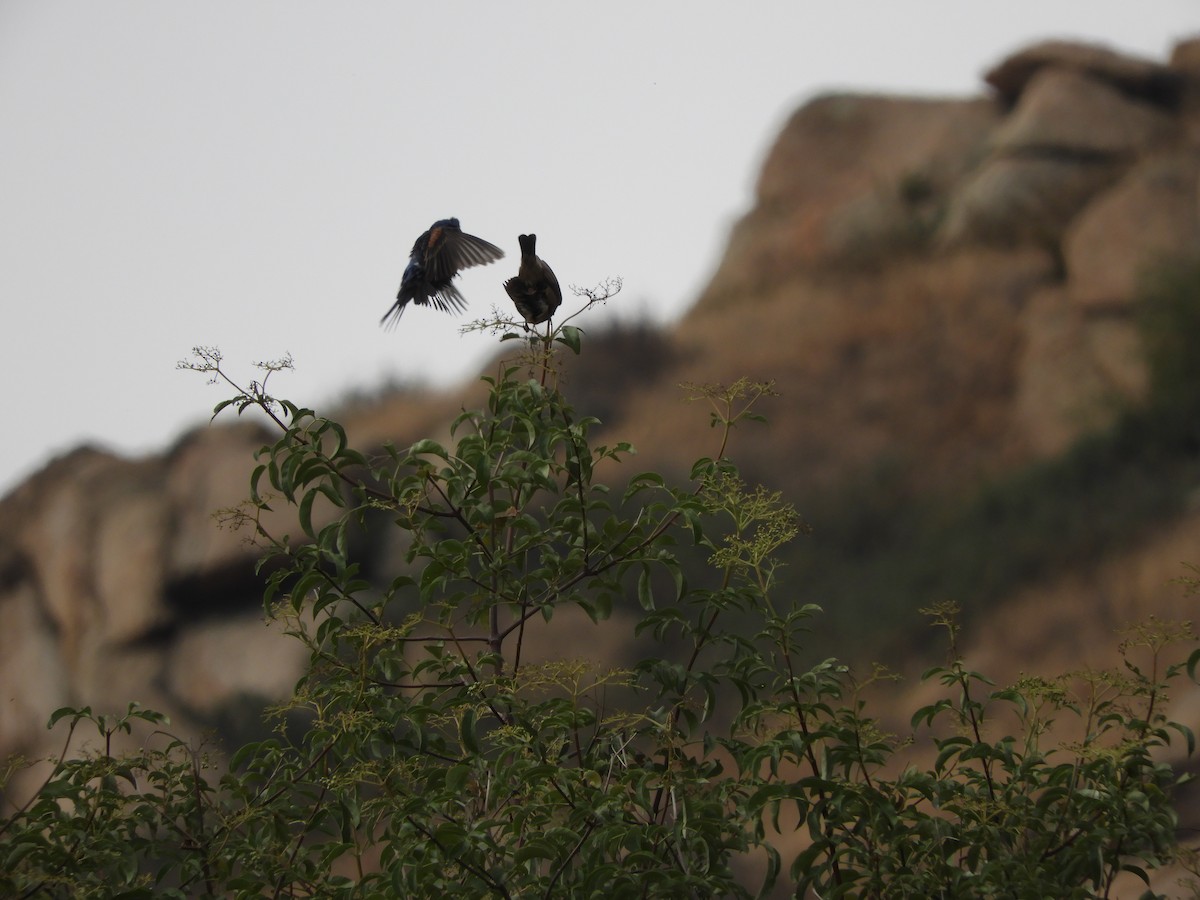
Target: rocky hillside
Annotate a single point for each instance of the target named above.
(943, 289)
(949, 282)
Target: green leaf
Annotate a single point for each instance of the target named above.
(430, 447)
(457, 778)
(927, 714)
(64, 711)
(335, 496)
(306, 511)
(224, 403)
(1192, 662)
(466, 730)
(450, 836)
(570, 336)
(1188, 735)
(950, 748)
(644, 592)
(1138, 871)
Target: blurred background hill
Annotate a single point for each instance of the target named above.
(979, 315)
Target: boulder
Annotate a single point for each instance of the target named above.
(1072, 373)
(218, 662)
(1064, 113)
(1131, 75)
(1069, 137)
(894, 157)
(130, 557)
(1015, 200)
(1151, 214)
(35, 676)
(208, 470)
(1185, 58)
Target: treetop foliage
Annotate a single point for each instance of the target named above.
(438, 755)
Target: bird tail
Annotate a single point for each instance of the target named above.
(392, 316)
(528, 244)
(447, 299)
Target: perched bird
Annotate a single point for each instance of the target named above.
(437, 256)
(535, 290)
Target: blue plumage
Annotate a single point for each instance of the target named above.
(437, 256)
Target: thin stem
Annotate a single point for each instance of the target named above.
(475, 870)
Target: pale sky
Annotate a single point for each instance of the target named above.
(251, 175)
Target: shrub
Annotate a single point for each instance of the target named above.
(438, 760)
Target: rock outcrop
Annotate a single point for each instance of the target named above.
(112, 568)
(951, 282)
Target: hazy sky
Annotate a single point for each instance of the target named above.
(251, 175)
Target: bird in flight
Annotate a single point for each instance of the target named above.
(534, 290)
(437, 256)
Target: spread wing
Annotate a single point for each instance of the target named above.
(450, 251)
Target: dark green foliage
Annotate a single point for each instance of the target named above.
(1169, 317)
(438, 761)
